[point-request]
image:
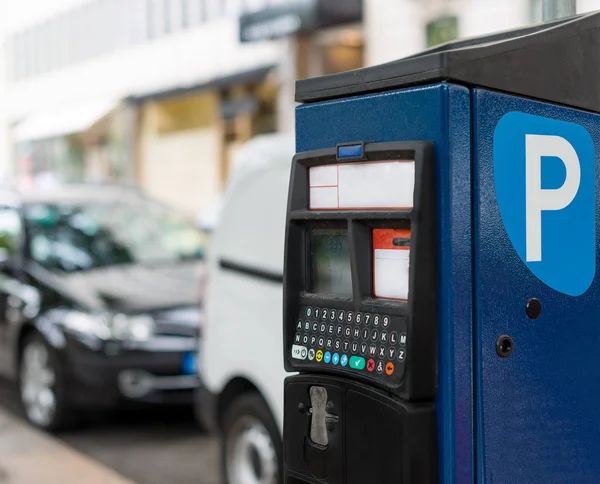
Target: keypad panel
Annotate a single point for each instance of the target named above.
(372, 344)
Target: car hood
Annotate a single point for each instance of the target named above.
(133, 288)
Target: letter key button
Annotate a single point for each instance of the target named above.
(372, 350)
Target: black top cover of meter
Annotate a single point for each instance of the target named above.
(513, 61)
(360, 284)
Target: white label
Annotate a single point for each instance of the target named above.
(324, 197)
(391, 273)
(299, 352)
(324, 176)
(371, 185)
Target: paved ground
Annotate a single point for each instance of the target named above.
(150, 447)
(28, 456)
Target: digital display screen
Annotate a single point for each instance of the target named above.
(330, 255)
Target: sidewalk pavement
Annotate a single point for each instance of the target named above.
(28, 456)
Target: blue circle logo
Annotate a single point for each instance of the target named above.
(327, 357)
(344, 360)
(335, 359)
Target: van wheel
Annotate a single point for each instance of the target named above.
(41, 385)
(251, 445)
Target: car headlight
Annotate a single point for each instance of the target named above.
(119, 327)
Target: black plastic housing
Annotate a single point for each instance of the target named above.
(417, 376)
(376, 438)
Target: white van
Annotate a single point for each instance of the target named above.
(241, 354)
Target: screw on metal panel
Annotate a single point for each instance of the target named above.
(533, 308)
(504, 346)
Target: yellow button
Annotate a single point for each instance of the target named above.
(319, 356)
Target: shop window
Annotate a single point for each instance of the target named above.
(180, 113)
(11, 231)
(442, 30)
(341, 58)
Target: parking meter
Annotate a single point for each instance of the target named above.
(439, 286)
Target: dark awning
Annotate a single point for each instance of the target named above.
(298, 16)
(239, 78)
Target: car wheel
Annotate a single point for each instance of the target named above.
(41, 385)
(251, 445)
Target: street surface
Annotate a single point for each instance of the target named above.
(158, 446)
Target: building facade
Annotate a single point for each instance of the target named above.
(398, 28)
(161, 93)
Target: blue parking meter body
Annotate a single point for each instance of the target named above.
(440, 290)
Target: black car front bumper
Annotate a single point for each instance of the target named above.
(154, 372)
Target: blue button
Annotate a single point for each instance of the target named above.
(344, 360)
(351, 151)
(327, 357)
(335, 359)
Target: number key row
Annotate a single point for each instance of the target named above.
(341, 316)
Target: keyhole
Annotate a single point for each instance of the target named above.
(504, 346)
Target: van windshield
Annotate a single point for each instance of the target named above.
(76, 237)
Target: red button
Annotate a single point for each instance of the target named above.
(370, 365)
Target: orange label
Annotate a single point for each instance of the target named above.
(389, 368)
(398, 239)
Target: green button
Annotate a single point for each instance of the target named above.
(357, 362)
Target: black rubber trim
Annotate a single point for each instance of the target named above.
(251, 271)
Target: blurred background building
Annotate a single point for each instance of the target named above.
(161, 93)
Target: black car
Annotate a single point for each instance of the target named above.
(100, 292)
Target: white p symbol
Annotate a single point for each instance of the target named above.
(538, 199)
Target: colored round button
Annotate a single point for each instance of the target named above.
(344, 360)
(327, 357)
(370, 365)
(319, 356)
(389, 368)
(335, 359)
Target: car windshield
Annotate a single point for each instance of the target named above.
(75, 237)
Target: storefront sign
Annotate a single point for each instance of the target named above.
(298, 16)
